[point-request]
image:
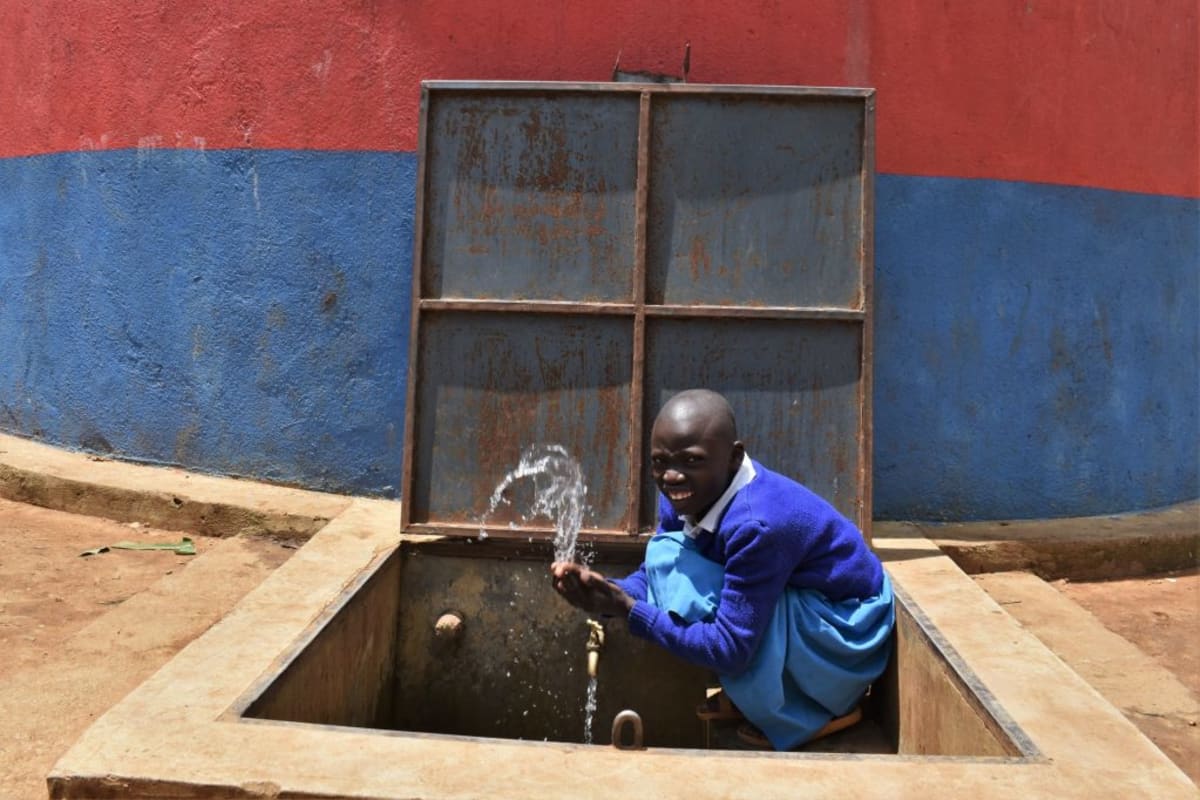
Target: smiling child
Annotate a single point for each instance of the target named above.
(754, 576)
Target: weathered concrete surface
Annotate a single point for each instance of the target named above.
(939, 712)
(344, 674)
(1149, 695)
(1087, 748)
(517, 670)
(986, 636)
(162, 497)
(1078, 548)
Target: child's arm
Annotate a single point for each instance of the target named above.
(756, 573)
(589, 590)
(634, 584)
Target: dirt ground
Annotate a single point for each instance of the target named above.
(78, 633)
(48, 591)
(1161, 615)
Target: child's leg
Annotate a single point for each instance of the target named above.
(814, 664)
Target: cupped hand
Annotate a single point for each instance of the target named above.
(589, 590)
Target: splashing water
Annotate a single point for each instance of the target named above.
(559, 494)
(589, 711)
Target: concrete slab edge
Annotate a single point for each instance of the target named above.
(1075, 548)
(1102, 657)
(1090, 750)
(161, 497)
(1079, 559)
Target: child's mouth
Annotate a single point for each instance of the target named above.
(679, 495)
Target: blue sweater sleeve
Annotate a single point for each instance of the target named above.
(634, 584)
(754, 581)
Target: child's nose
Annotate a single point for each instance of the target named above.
(673, 476)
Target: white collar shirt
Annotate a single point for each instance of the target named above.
(708, 522)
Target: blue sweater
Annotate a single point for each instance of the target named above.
(774, 534)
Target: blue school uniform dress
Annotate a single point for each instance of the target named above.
(778, 593)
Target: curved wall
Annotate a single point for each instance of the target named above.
(206, 228)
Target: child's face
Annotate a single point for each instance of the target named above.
(692, 462)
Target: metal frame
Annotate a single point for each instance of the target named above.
(638, 311)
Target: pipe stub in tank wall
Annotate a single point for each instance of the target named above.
(628, 717)
(448, 626)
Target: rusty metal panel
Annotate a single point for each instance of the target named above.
(530, 196)
(490, 385)
(793, 385)
(755, 201)
(585, 250)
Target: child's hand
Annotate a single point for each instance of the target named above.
(589, 590)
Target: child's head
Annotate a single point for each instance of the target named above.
(694, 450)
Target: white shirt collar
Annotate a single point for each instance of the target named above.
(709, 521)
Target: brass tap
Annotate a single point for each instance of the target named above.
(594, 643)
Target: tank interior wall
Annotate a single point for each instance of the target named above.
(937, 712)
(517, 669)
(343, 674)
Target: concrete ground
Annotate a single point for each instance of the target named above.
(79, 633)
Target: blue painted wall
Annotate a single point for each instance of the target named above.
(239, 311)
(246, 312)
(1037, 350)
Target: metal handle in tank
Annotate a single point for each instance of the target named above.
(619, 723)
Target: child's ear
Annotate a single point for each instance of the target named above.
(735, 458)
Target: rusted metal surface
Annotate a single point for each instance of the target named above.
(866, 264)
(410, 401)
(584, 87)
(755, 201)
(633, 489)
(530, 196)
(489, 385)
(585, 250)
(755, 312)
(794, 386)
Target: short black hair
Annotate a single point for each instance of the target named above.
(707, 402)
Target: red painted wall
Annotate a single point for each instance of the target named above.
(1098, 93)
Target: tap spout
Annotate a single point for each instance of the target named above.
(595, 643)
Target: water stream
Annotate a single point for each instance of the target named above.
(559, 494)
(589, 711)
